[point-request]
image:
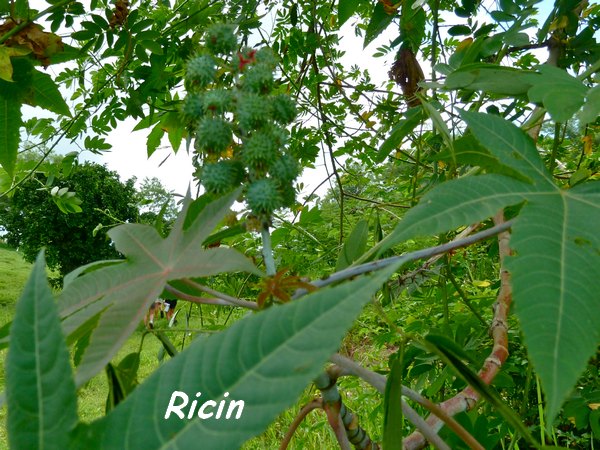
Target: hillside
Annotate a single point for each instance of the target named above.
(13, 274)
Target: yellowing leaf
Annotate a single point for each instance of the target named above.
(560, 22)
(587, 144)
(366, 114)
(464, 44)
(6, 68)
(593, 406)
(483, 283)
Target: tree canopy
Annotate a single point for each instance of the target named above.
(33, 220)
(458, 240)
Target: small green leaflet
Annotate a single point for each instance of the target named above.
(403, 128)
(354, 246)
(42, 404)
(379, 22)
(122, 292)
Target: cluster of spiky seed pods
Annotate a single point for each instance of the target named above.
(239, 122)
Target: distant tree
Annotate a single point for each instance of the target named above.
(156, 202)
(32, 219)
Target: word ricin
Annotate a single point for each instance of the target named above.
(206, 409)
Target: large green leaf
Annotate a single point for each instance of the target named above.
(591, 109)
(556, 242)
(346, 8)
(10, 123)
(490, 78)
(124, 291)
(264, 360)
(379, 22)
(45, 94)
(555, 283)
(561, 94)
(42, 405)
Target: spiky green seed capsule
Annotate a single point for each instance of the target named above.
(217, 101)
(284, 169)
(288, 194)
(283, 109)
(220, 39)
(263, 196)
(213, 134)
(252, 111)
(258, 79)
(259, 151)
(266, 57)
(200, 71)
(192, 108)
(280, 135)
(222, 176)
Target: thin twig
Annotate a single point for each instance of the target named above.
(306, 409)
(412, 256)
(349, 367)
(201, 300)
(233, 301)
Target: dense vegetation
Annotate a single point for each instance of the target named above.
(464, 185)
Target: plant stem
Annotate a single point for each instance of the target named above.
(268, 251)
(412, 256)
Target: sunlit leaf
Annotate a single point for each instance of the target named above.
(354, 245)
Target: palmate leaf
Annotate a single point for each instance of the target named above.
(265, 360)
(123, 292)
(42, 404)
(556, 267)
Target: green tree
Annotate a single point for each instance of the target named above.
(155, 202)
(32, 219)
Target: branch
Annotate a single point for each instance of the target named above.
(230, 301)
(409, 257)
(346, 366)
(302, 414)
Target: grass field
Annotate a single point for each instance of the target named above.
(313, 433)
